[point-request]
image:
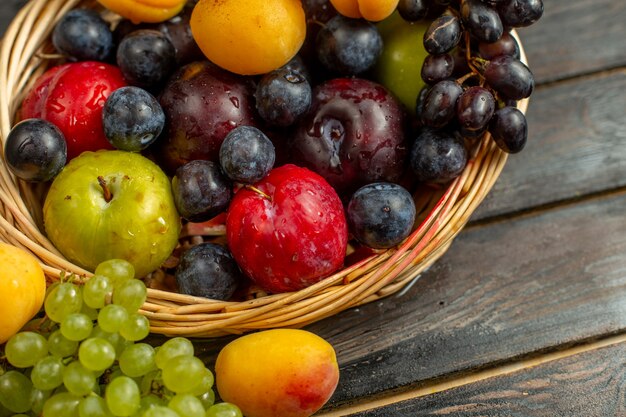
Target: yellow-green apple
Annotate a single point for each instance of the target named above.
(112, 204)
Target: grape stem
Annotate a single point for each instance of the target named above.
(259, 192)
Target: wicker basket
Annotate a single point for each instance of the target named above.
(442, 215)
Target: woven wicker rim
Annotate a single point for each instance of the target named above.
(23, 59)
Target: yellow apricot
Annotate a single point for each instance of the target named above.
(279, 372)
(23, 288)
(148, 11)
(249, 36)
(372, 10)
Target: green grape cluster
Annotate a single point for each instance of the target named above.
(90, 361)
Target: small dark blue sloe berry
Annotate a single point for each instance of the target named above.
(82, 35)
(146, 58)
(200, 190)
(282, 96)
(132, 118)
(35, 150)
(247, 154)
(208, 270)
(348, 46)
(381, 215)
(437, 155)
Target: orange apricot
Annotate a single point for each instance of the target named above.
(372, 10)
(149, 11)
(249, 37)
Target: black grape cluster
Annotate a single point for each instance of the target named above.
(473, 72)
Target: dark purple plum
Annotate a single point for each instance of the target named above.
(200, 191)
(35, 150)
(348, 46)
(202, 103)
(247, 155)
(283, 96)
(146, 58)
(381, 215)
(208, 270)
(353, 135)
(132, 119)
(82, 35)
(437, 156)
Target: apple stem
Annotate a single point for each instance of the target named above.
(256, 190)
(107, 192)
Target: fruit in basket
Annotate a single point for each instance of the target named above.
(151, 11)
(398, 67)
(202, 104)
(146, 58)
(71, 96)
(353, 135)
(373, 10)
(288, 231)
(251, 37)
(23, 286)
(112, 204)
(83, 35)
(280, 372)
(35, 150)
(438, 155)
(247, 155)
(132, 119)
(381, 215)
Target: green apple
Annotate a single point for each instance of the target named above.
(399, 67)
(112, 204)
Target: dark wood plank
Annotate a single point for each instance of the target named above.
(575, 145)
(576, 37)
(500, 292)
(8, 9)
(591, 384)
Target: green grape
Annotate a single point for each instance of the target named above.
(60, 346)
(77, 379)
(66, 298)
(97, 290)
(117, 270)
(111, 317)
(47, 374)
(90, 312)
(207, 399)
(24, 349)
(147, 402)
(37, 400)
(187, 405)
(76, 326)
(160, 411)
(176, 346)
(224, 410)
(96, 354)
(135, 328)
(15, 389)
(63, 404)
(122, 396)
(206, 384)
(183, 373)
(130, 294)
(137, 360)
(93, 406)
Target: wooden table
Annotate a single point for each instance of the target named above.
(525, 315)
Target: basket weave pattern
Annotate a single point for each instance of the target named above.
(442, 214)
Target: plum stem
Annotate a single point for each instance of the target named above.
(108, 196)
(256, 190)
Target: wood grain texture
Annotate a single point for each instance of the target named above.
(575, 146)
(591, 384)
(502, 291)
(575, 37)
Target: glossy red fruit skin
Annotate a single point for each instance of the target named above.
(293, 236)
(72, 96)
(353, 135)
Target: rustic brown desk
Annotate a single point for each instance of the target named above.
(525, 315)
